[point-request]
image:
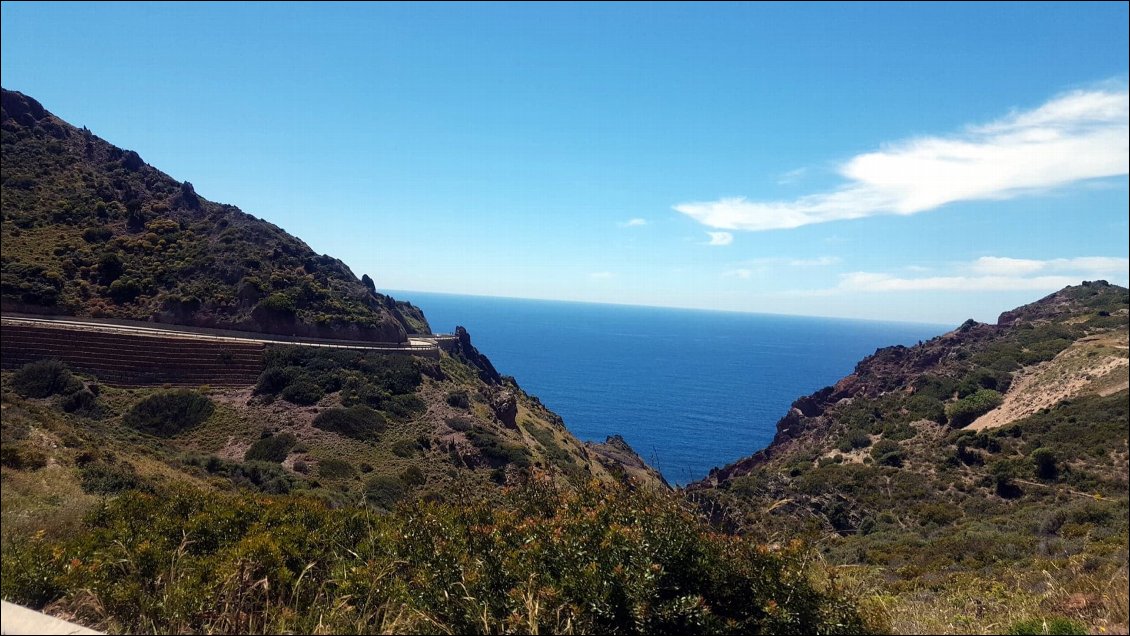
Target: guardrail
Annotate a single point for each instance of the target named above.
(186, 331)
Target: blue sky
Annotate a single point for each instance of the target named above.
(909, 162)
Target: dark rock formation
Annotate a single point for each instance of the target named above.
(505, 406)
(465, 351)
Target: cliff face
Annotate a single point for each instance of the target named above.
(90, 229)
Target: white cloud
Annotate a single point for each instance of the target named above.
(1087, 265)
(772, 261)
(720, 238)
(1077, 136)
(871, 282)
(792, 176)
(601, 275)
(991, 273)
(637, 222)
(998, 265)
(741, 273)
(821, 261)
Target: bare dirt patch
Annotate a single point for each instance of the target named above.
(1091, 365)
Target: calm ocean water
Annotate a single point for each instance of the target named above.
(688, 389)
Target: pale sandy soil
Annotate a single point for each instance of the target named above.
(1091, 366)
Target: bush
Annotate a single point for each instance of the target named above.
(461, 424)
(413, 476)
(99, 234)
(276, 305)
(384, 491)
(302, 393)
(496, 451)
(965, 410)
(1045, 463)
(273, 448)
(167, 413)
(926, 407)
(44, 378)
(404, 407)
(273, 380)
(358, 422)
(1057, 626)
(335, 469)
(22, 458)
(83, 403)
(458, 399)
(601, 560)
(108, 479)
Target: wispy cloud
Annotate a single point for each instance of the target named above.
(637, 222)
(990, 273)
(720, 238)
(1079, 135)
(762, 266)
(871, 282)
(792, 176)
(777, 261)
(601, 275)
(1096, 265)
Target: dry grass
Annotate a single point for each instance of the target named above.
(973, 604)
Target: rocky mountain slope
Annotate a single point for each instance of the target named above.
(987, 456)
(346, 492)
(90, 229)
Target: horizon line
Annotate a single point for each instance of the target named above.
(398, 295)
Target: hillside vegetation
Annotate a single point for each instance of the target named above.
(90, 229)
(977, 480)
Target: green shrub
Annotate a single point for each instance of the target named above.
(83, 403)
(108, 479)
(167, 413)
(458, 399)
(44, 378)
(358, 422)
(98, 234)
(926, 407)
(404, 407)
(334, 468)
(302, 393)
(497, 451)
(1056, 625)
(273, 448)
(22, 458)
(459, 423)
(404, 448)
(273, 380)
(967, 409)
(1045, 463)
(277, 305)
(384, 491)
(413, 476)
(602, 560)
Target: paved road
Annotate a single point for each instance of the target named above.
(415, 343)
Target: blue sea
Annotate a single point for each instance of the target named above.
(688, 389)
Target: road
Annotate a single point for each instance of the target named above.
(420, 344)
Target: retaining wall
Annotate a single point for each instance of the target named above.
(135, 360)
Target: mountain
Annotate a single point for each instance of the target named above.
(349, 490)
(985, 458)
(91, 230)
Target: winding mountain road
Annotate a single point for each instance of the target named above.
(415, 344)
